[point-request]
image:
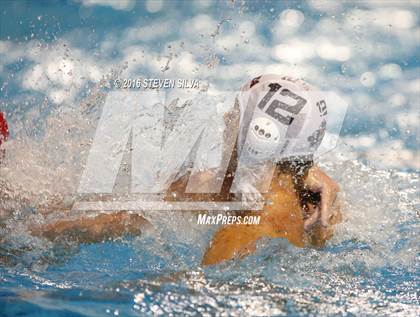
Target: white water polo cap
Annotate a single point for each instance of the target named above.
(281, 117)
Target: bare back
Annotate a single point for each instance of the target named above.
(282, 217)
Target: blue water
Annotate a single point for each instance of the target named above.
(370, 268)
(89, 283)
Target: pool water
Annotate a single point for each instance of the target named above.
(369, 268)
(59, 60)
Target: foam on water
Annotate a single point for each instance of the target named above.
(369, 267)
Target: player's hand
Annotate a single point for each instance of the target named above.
(318, 181)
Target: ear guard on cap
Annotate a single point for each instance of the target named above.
(262, 139)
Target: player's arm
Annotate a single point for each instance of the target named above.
(205, 179)
(92, 229)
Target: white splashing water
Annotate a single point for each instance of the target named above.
(379, 231)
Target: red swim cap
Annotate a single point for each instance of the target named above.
(4, 129)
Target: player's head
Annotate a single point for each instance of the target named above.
(281, 117)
